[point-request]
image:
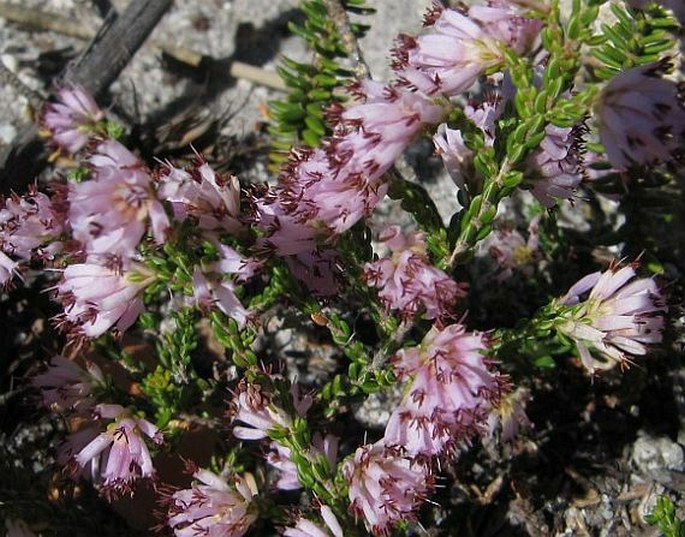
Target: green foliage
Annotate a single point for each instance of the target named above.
(636, 38)
(171, 383)
(237, 341)
(665, 517)
(300, 118)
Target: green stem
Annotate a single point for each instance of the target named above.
(491, 196)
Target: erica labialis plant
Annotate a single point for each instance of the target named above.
(532, 110)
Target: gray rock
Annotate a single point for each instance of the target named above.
(656, 454)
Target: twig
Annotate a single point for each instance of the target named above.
(338, 15)
(8, 77)
(115, 44)
(40, 20)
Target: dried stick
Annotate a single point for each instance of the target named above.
(339, 16)
(115, 44)
(40, 20)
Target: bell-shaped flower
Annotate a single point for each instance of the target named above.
(451, 58)
(30, 227)
(120, 452)
(66, 386)
(255, 407)
(553, 170)
(208, 198)
(102, 293)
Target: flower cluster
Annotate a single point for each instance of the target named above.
(408, 283)
(211, 200)
(71, 121)
(462, 46)
(385, 488)
(641, 117)
(66, 387)
(619, 317)
(213, 507)
(324, 192)
(450, 392)
(102, 294)
(108, 214)
(200, 262)
(30, 227)
(119, 456)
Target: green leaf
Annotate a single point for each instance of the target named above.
(545, 362)
(664, 515)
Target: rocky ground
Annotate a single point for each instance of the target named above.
(599, 453)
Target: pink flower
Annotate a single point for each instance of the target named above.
(212, 290)
(210, 199)
(486, 114)
(514, 253)
(619, 317)
(101, 294)
(71, 120)
(27, 224)
(214, 507)
(120, 452)
(456, 156)
(509, 416)
(324, 192)
(372, 134)
(255, 408)
(109, 214)
(307, 528)
(641, 117)
(384, 487)
(553, 170)
(408, 282)
(450, 392)
(279, 458)
(452, 58)
(74, 443)
(65, 386)
(506, 22)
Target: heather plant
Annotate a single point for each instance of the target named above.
(171, 279)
